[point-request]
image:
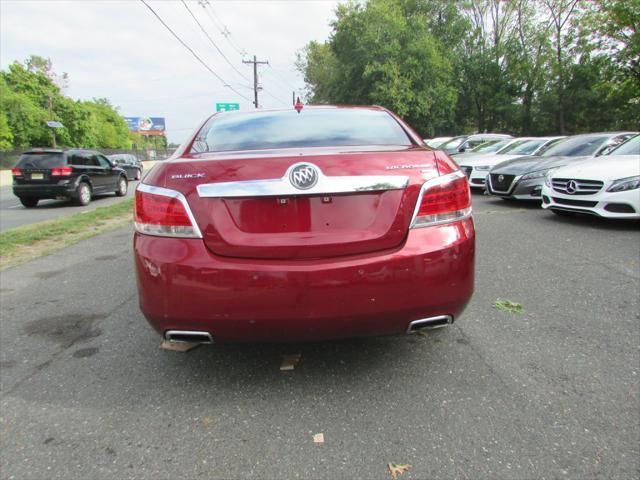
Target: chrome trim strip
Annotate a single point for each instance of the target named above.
(431, 183)
(165, 192)
(282, 187)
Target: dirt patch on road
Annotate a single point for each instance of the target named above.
(66, 330)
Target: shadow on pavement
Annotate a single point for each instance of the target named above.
(593, 221)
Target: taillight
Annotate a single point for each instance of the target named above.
(16, 172)
(163, 212)
(61, 171)
(443, 199)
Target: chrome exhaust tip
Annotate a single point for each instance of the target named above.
(188, 336)
(430, 323)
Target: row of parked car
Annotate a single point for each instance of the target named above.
(595, 173)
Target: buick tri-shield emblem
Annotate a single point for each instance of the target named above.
(303, 176)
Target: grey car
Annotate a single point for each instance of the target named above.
(522, 178)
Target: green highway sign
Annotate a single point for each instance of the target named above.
(227, 107)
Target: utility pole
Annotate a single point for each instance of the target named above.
(53, 130)
(293, 97)
(255, 77)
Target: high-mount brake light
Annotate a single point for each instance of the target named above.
(61, 171)
(443, 199)
(163, 212)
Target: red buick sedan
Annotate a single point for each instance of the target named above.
(289, 225)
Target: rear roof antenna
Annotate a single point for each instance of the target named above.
(298, 106)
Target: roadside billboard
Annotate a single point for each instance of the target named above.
(146, 125)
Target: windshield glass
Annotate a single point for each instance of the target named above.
(630, 147)
(523, 147)
(453, 143)
(322, 127)
(41, 160)
(490, 146)
(582, 145)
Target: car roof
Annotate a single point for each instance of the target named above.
(60, 150)
(44, 150)
(591, 134)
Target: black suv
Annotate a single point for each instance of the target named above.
(65, 174)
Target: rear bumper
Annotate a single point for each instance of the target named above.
(183, 286)
(45, 190)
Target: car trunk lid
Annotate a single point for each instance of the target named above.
(247, 206)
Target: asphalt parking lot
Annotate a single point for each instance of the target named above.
(550, 393)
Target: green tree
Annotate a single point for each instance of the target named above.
(25, 118)
(6, 137)
(32, 93)
(383, 53)
(617, 23)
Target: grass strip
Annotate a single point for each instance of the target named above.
(21, 244)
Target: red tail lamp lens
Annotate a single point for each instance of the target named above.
(61, 172)
(444, 199)
(160, 210)
(163, 215)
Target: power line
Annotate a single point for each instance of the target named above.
(222, 28)
(213, 43)
(224, 31)
(280, 79)
(191, 51)
(274, 97)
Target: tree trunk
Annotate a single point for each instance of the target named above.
(560, 117)
(526, 110)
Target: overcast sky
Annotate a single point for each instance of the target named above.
(119, 50)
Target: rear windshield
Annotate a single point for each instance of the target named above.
(290, 129)
(41, 160)
(630, 147)
(577, 146)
